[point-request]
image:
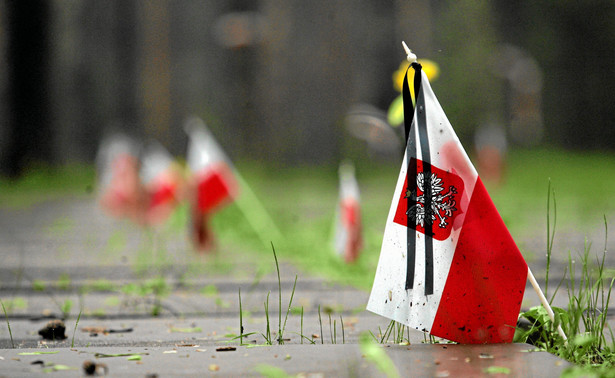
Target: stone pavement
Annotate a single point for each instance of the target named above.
(173, 313)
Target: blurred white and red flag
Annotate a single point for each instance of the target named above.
(212, 182)
(121, 193)
(162, 180)
(448, 265)
(348, 234)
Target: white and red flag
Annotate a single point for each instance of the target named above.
(348, 233)
(448, 265)
(121, 193)
(212, 181)
(162, 180)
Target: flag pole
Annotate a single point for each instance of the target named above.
(411, 56)
(256, 215)
(545, 303)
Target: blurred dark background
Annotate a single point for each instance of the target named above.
(274, 79)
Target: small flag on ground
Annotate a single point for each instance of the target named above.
(163, 180)
(448, 265)
(348, 235)
(212, 182)
(120, 191)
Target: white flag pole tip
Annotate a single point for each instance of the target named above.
(410, 55)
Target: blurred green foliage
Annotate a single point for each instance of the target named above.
(302, 201)
(44, 182)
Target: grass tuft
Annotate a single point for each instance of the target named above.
(585, 318)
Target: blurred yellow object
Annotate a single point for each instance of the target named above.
(430, 67)
(395, 115)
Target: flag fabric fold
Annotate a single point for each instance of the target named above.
(448, 265)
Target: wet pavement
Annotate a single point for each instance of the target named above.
(170, 313)
(345, 360)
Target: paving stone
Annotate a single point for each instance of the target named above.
(198, 311)
(338, 360)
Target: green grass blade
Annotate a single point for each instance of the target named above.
(72, 342)
(548, 237)
(604, 315)
(343, 335)
(240, 320)
(334, 331)
(277, 267)
(559, 285)
(290, 303)
(8, 324)
(330, 329)
(320, 322)
(267, 335)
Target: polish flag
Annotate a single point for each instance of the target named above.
(162, 179)
(120, 191)
(212, 183)
(348, 235)
(448, 265)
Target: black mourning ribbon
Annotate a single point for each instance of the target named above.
(409, 111)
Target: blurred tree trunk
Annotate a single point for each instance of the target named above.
(29, 130)
(413, 25)
(127, 47)
(573, 43)
(304, 78)
(156, 75)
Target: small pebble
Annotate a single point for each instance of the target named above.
(89, 367)
(54, 330)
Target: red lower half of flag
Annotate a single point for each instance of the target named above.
(215, 187)
(351, 221)
(485, 285)
(164, 195)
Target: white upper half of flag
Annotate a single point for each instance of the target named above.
(349, 188)
(203, 149)
(113, 146)
(156, 160)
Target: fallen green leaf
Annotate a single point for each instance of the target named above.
(37, 353)
(270, 371)
(187, 330)
(51, 367)
(374, 353)
(104, 355)
(497, 370)
(63, 367)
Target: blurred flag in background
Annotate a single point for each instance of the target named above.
(348, 233)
